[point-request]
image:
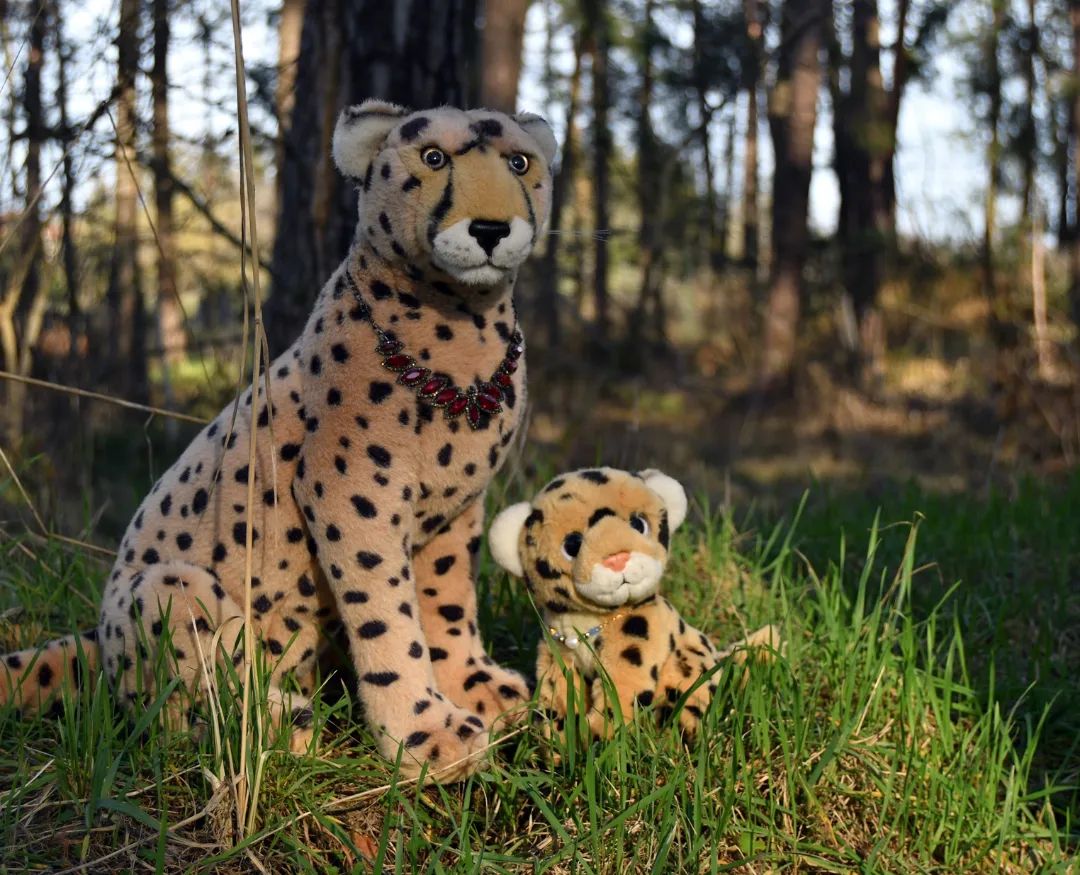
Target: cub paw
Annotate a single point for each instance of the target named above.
(498, 695)
(451, 742)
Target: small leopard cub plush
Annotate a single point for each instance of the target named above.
(592, 547)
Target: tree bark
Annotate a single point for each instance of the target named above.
(715, 237)
(171, 334)
(124, 294)
(503, 37)
(755, 29)
(864, 151)
(419, 53)
(792, 116)
(1074, 116)
(290, 28)
(70, 254)
(562, 186)
(993, 165)
(1029, 132)
(646, 326)
(23, 302)
(598, 27)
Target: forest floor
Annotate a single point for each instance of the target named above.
(924, 716)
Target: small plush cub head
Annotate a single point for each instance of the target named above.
(592, 540)
(461, 193)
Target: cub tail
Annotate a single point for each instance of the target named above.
(31, 678)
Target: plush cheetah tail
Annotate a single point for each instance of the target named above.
(31, 678)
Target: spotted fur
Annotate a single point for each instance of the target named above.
(368, 504)
(592, 547)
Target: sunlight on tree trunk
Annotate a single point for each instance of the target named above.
(501, 53)
(754, 12)
(598, 28)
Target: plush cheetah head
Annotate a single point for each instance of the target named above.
(593, 540)
(465, 193)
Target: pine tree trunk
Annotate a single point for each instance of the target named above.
(993, 162)
(290, 28)
(598, 28)
(563, 186)
(715, 238)
(645, 326)
(419, 53)
(1074, 118)
(170, 317)
(792, 116)
(754, 13)
(22, 304)
(70, 254)
(503, 36)
(124, 294)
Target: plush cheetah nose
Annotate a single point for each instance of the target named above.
(488, 234)
(617, 561)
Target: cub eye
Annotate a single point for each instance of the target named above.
(639, 523)
(433, 158)
(519, 163)
(571, 545)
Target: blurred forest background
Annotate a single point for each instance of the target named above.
(694, 307)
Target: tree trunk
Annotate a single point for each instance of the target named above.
(993, 162)
(290, 27)
(755, 29)
(170, 315)
(420, 53)
(1029, 134)
(598, 28)
(1074, 116)
(715, 238)
(124, 294)
(503, 36)
(562, 186)
(864, 151)
(23, 300)
(792, 116)
(70, 255)
(648, 173)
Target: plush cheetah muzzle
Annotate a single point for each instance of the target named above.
(480, 252)
(622, 577)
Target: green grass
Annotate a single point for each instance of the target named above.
(922, 719)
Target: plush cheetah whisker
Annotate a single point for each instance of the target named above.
(369, 499)
(592, 547)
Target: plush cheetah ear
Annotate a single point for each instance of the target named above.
(504, 534)
(360, 131)
(538, 128)
(670, 491)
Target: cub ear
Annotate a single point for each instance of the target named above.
(670, 491)
(538, 128)
(360, 132)
(504, 534)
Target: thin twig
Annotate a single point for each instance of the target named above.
(98, 396)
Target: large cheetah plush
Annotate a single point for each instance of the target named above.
(592, 547)
(386, 420)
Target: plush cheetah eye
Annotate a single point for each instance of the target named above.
(433, 158)
(571, 545)
(639, 523)
(519, 163)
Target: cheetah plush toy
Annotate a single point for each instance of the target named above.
(592, 547)
(385, 422)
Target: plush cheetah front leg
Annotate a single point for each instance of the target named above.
(366, 553)
(445, 574)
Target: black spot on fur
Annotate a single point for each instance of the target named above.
(599, 514)
(444, 564)
(451, 613)
(413, 128)
(380, 678)
(598, 477)
(632, 654)
(368, 560)
(636, 626)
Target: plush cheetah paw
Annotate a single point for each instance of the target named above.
(498, 695)
(692, 712)
(450, 741)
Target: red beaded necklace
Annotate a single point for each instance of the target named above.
(483, 397)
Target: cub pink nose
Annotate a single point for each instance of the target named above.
(617, 561)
